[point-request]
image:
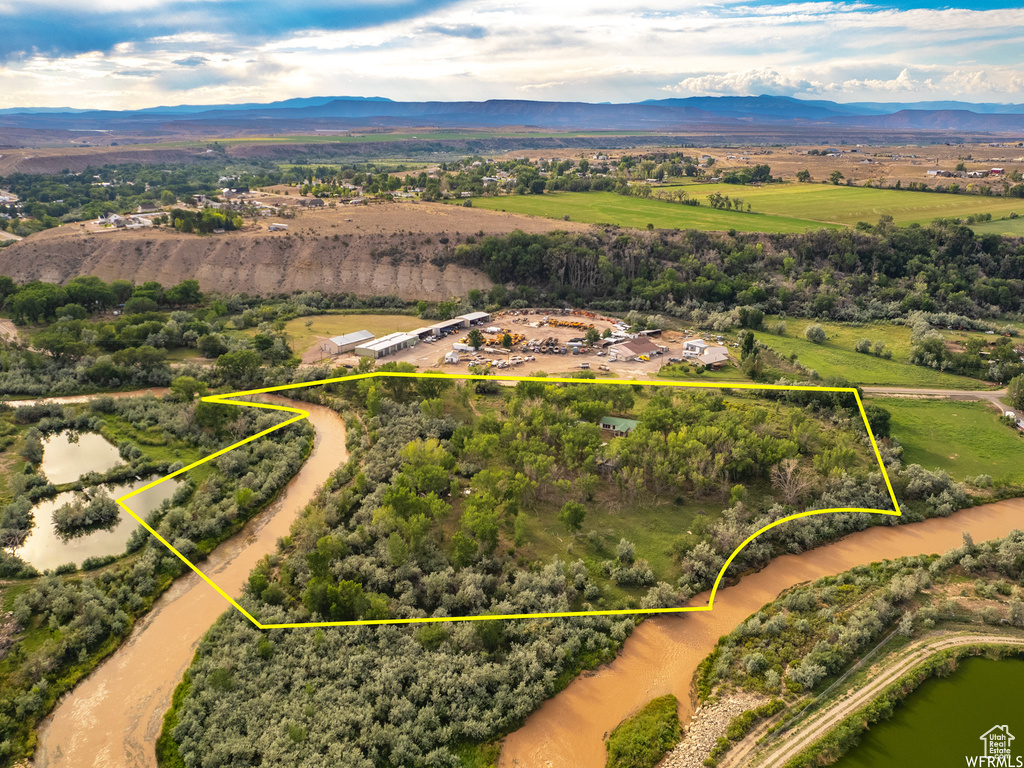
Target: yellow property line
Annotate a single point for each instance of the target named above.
(301, 414)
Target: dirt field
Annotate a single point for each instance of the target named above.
(367, 250)
(430, 355)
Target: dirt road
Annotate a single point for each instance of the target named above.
(821, 723)
(112, 719)
(985, 395)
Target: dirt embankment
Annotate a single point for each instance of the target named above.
(372, 250)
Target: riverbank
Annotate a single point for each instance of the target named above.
(662, 654)
(113, 717)
(708, 725)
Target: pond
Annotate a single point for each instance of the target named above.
(66, 457)
(948, 721)
(43, 548)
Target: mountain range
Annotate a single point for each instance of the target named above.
(650, 115)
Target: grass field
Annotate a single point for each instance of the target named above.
(965, 439)
(848, 205)
(302, 338)
(1014, 227)
(610, 208)
(836, 356)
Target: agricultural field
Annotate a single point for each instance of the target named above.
(849, 205)
(836, 356)
(964, 439)
(610, 208)
(1010, 227)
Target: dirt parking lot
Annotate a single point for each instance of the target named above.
(531, 325)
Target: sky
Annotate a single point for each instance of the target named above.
(130, 54)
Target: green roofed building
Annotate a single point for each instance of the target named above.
(618, 426)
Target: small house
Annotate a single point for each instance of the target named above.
(619, 427)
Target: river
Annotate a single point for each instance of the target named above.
(662, 654)
(113, 717)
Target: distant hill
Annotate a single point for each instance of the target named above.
(651, 115)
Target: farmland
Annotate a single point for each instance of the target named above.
(849, 205)
(836, 356)
(964, 439)
(609, 208)
(788, 207)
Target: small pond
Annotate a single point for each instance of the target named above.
(43, 548)
(66, 457)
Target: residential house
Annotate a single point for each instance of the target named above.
(619, 427)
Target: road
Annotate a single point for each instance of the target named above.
(818, 725)
(993, 396)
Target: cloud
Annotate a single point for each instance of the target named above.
(191, 61)
(469, 31)
(751, 82)
(211, 51)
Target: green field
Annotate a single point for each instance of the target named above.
(965, 439)
(610, 208)
(848, 205)
(941, 723)
(836, 356)
(1013, 227)
(301, 338)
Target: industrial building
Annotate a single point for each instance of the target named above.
(386, 345)
(339, 344)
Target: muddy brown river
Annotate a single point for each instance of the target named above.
(112, 718)
(662, 654)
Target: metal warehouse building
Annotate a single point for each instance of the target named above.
(387, 345)
(338, 344)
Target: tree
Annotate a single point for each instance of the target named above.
(240, 365)
(748, 344)
(835, 177)
(138, 304)
(506, 340)
(185, 389)
(592, 336)
(572, 515)
(475, 339)
(1015, 392)
(211, 346)
(815, 333)
(803, 176)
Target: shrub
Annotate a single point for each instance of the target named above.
(815, 333)
(642, 740)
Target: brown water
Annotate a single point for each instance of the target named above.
(112, 719)
(66, 456)
(662, 654)
(44, 549)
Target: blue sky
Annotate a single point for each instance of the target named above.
(120, 54)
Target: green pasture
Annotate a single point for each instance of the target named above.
(965, 439)
(610, 208)
(849, 205)
(836, 356)
(1012, 227)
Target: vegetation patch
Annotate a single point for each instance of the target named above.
(641, 740)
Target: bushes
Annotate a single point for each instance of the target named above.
(642, 740)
